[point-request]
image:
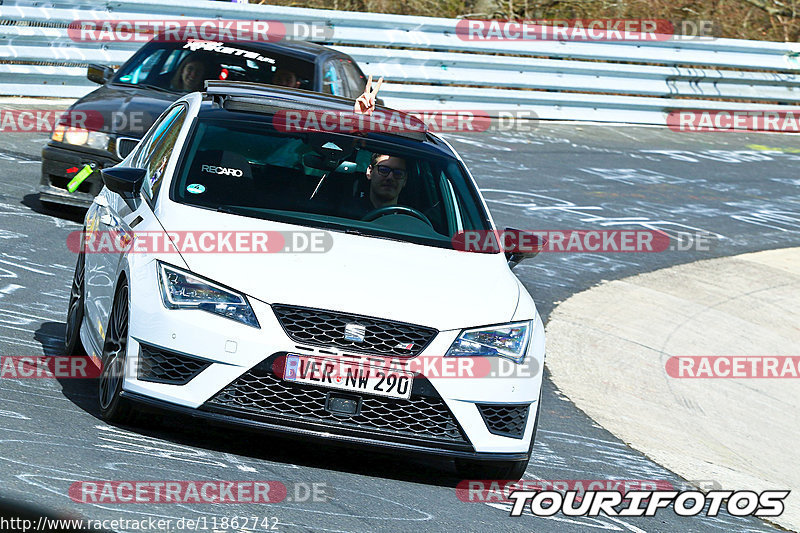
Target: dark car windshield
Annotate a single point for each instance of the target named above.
(323, 180)
(183, 67)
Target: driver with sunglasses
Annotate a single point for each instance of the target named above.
(386, 176)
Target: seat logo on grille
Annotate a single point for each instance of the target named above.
(354, 332)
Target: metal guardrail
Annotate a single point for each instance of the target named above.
(428, 66)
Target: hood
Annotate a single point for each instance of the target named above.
(126, 111)
(425, 285)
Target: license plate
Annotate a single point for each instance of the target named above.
(348, 376)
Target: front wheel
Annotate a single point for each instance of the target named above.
(113, 407)
(72, 336)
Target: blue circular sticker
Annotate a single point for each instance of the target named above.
(196, 188)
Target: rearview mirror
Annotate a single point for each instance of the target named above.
(319, 162)
(99, 73)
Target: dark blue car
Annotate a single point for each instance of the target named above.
(105, 125)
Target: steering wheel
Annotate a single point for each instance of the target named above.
(398, 210)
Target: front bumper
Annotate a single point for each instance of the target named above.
(321, 435)
(230, 357)
(56, 159)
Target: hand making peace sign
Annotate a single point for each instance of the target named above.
(365, 103)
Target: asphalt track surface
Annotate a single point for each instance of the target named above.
(741, 189)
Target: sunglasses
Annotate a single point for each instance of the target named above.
(384, 171)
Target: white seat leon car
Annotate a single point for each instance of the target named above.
(249, 265)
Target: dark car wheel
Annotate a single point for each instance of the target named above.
(113, 407)
(72, 336)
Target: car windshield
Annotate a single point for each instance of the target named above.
(183, 67)
(398, 190)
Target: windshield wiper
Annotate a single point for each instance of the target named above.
(231, 210)
(360, 233)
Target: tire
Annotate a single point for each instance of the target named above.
(72, 335)
(113, 407)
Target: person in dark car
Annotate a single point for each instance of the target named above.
(191, 73)
(155, 76)
(285, 78)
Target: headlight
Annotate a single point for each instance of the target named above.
(183, 290)
(507, 340)
(58, 133)
(80, 137)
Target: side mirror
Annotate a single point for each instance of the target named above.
(99, 73)
(125, 181)
(520, 245)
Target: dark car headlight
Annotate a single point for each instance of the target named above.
(81, 137)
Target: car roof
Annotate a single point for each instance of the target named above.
(219, 88)
(229, 99)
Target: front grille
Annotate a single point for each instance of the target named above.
(260, 394)
(162, 366)
(505, 420)
(125, 146)
(326, 328)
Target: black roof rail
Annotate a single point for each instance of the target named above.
(263, 98)
(249, 88)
